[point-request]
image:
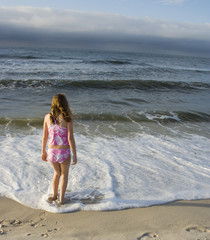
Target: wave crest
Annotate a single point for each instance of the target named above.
(103, 84)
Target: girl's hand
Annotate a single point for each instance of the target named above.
(44, 156)
(74, 160)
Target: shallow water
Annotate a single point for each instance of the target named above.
(141, 127)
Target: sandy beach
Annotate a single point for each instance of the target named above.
(177, 220)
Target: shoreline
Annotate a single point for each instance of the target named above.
(181, 220)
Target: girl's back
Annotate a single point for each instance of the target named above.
(58, 132)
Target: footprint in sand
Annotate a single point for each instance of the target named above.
(45, 235)
(198, 229)
(146, 236)
(43, 214)
(16, 222)
(5, 225)
(50, 232)
(39, 222)
(1, 227)
(201, 232)
(1, 231)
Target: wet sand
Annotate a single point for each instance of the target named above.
(181, 220)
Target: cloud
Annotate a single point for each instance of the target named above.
(64, 21)
(31, 26)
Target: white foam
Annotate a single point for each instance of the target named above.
(173, 116)
(111, 173)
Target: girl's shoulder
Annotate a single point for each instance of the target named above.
(47, 118)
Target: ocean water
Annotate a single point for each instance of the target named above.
(142, 127)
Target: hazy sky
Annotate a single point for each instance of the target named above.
(133, 25)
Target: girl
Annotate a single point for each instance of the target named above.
(58, 126)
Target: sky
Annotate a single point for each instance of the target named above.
(170, 26)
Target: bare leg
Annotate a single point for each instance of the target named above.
(56, 178)
(64, 178)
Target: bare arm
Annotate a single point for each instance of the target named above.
(44, 140)
(72, 141)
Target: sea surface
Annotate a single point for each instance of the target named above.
(142, 127)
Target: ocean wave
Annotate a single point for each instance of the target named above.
(108, 61)
(21, 122)
(175, 70)
(104, 84)
(6, 56)
(154, 116)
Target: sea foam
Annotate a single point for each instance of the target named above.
(111, 174)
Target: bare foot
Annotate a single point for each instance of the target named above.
(65, 200)
(51, 199)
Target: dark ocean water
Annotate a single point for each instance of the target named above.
(149, 108)
(104, 86)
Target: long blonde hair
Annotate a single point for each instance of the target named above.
(60, 106)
